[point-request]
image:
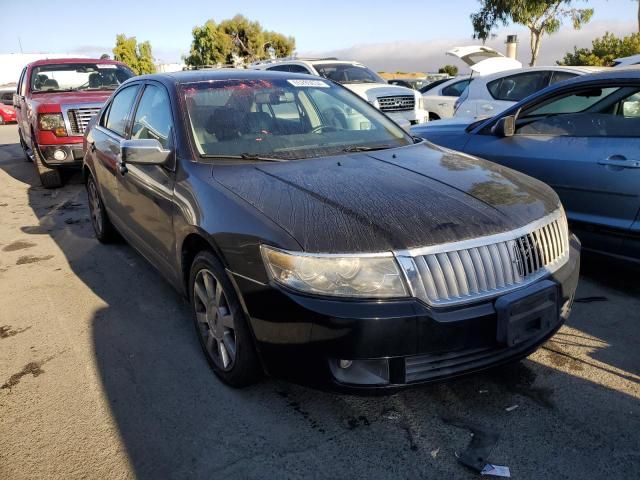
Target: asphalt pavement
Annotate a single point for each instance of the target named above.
(101, 376)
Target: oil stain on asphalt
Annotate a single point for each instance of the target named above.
(32, 259)
(6, 331)
(18, 245)
(33, 368)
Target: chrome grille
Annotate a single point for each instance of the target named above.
(79, 118)
(488, 266)
(397, 103)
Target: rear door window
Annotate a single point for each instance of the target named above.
(561, 77)
(516, 87)
(455, 89)
(119, 113)
(280, 68)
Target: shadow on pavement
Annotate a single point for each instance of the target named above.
(176, 420)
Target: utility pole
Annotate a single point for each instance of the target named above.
(20, 43)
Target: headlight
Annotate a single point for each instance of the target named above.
(375, 103)
(372, 276)
(52, 122)
(420, 102)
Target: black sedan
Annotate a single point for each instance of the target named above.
(319, 242)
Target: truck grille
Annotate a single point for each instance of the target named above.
(397, 104)
(79, 118)
(486, 269)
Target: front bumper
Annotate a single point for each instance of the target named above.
(303, 338)
(412, 117)
(62, 155)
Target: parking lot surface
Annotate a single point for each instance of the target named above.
(102, 377)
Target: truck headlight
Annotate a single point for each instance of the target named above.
(366, 276)
(420, 102)
(52, 122)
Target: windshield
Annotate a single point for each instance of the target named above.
(78, 76)
(348, 73)
(284, 119)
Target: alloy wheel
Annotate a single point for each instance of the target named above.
(215, 319)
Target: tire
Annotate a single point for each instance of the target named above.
(102, 227)
(49, 177)
(220, 323)
(23, 144)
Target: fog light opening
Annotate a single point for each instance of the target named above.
(345, 363)
(59, 154)
(361, 372)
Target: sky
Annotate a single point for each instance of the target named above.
(388, 35)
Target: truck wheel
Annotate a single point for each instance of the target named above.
(103, 228)
(222, 328)
(25, 149)
(49, 177)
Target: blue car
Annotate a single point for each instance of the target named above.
(582, 137)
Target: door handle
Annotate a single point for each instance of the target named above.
(620, 161)
(92, 146)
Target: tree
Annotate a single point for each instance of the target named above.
(604, 50)
(236, 38)
(137, 56)
(539, 16)
(450, 70)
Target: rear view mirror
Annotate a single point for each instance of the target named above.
(146, 151)
(505, 126)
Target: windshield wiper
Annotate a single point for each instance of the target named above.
(246, 156)
(362, 148)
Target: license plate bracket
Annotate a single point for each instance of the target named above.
(527, 313)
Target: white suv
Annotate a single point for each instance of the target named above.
(402, 104)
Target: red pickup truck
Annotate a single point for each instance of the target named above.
(54, 101)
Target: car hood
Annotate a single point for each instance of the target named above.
(71, 98)
(371, 91)
(388, 200)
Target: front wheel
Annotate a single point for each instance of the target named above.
(49, 177)
(221, 324)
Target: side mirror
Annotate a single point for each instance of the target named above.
(147, 151)
(16, 100)
(505, 126)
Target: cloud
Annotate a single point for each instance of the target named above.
(429, 55)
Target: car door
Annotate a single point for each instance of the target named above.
(145, 192)
(21, 109)
(445, 105)
(104, 145)
(584, 142)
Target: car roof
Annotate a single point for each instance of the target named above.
(607, 73)
(194, 76)
(555, 68)
(56, 61)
